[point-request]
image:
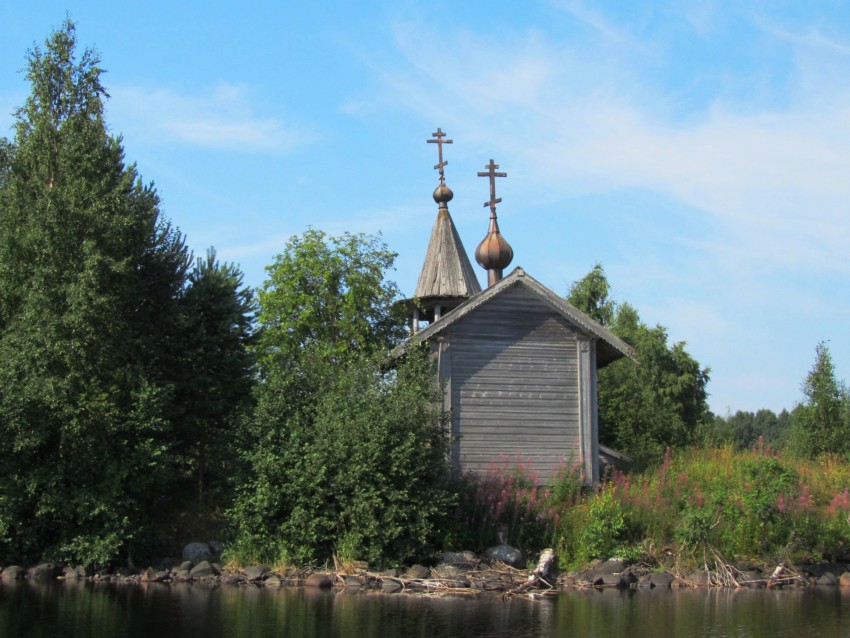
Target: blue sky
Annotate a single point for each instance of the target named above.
(699, 151)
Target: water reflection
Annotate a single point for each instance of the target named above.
(92, 609)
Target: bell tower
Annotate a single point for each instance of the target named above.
(447, 278)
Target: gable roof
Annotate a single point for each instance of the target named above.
(609, 347)
(446, 272)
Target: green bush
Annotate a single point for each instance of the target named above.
(361, 472)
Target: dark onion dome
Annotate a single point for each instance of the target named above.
(494, 252)
(443, 194)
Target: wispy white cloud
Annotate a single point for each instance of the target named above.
(219, 117)
(809, 37)
(776, 179)
(767, 180)
(594, 19)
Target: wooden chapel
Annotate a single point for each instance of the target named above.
(517, 362)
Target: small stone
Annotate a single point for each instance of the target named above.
(43, 571)
(418, 572)
(661, 579)
(77, 572)
(186, 564)
(255, 572)
(197, 552)
(273, 581)
(679, 583)
(13, 573)
(202, 570)
(352, 581)
(699, 578)
(181, 575)
(391, 586)
(459, 558)
(828, 580)
(149, 575)
(608, 580)
(319, 580)
(505, 554)
(844, 581)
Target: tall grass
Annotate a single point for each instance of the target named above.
(750, 505)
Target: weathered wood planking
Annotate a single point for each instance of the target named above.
(518, 364)
(514, 384)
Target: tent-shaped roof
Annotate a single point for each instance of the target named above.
(446, 272)
(609, 347)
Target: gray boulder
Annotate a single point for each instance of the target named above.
(391, 586)
(506, 554)
(656, 579)
(43, 571)
(828, 579)
(197, 552)
(77, 572)
(255, 572)
(13, 573)
(273, 581)
(466, 559)
(418, 572)
(202, 570)
(319, 580)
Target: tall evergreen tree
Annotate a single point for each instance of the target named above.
(215, 389)
(90, 274)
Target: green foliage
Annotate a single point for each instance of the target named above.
(658, 401)
(362, 471)
(98, 346)
(215, 389)
(590, 295)
(749, 429)
(340, 455)
(822, 423)
(508, 505)
(606, 532)
(741, 504)
(327, 295)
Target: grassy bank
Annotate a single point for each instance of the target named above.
(696, 506)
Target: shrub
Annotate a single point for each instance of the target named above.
(361, 470)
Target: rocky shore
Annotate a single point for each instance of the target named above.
(502, 571)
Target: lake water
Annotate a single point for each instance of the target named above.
(160, 611)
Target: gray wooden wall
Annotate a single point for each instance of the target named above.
(512, 378)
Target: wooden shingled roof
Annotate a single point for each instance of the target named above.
(609, 347)
(446, 272)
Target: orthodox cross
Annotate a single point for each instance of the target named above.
(439, 141)
(492, 174)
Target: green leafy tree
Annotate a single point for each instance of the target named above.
(328, 296)
(821, 423)
(89, 275)
(362, 474)
(344, 456)
(658, 401)
(590, 295)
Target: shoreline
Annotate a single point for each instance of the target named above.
(481, 579)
